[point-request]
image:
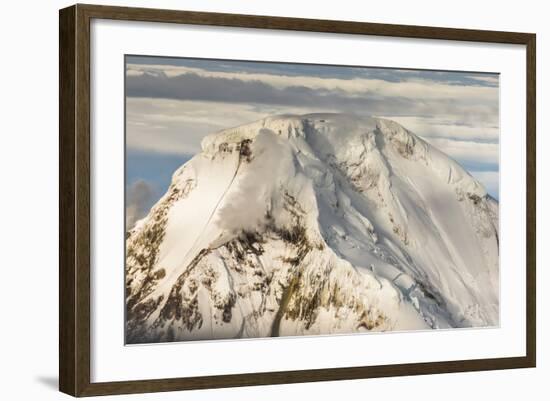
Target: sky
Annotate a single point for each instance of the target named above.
(172, 103)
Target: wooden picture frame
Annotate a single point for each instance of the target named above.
(75, 206)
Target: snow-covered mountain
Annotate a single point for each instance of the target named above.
(313, 224)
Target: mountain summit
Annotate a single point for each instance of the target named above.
(313, 224)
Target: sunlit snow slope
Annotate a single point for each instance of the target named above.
(313, 224)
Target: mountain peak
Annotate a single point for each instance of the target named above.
(343, 136)
(316, 223)
(290, 126)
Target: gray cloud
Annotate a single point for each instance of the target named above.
(191, 86)
(195, 87)
(139, 196)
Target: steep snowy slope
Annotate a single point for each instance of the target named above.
(314, 224)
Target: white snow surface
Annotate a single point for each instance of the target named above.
(314, 224)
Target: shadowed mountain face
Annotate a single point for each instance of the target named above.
(314, 224)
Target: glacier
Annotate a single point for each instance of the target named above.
(313, 224)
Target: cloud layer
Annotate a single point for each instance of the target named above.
(173, 103)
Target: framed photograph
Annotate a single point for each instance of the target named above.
(250, 200)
